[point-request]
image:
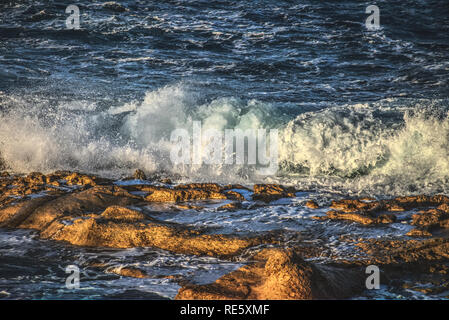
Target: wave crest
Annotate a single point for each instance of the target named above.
(396, 142)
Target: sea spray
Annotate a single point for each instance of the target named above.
(389, 146)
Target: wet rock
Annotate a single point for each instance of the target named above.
(418, 233)
(397, 204)
(271, 192)
(99, 217)
(284, 275)
(231, 206)
(180, 195)
(312, 204)
(186, 192)
(349, 205)
(13, 215)
(139, 175)
(4, 174)
(128, 272)
(188, 207)
(233, 195)
(236, 186)
(201, 186)
(118, 213)
(421, 201)
(373, 212)
(101, 231)
(368, 199)
(35, 178)
(80, 179)
(399, 252)
(362, 218)
(50, 208)
(431, 219)
(114, 6)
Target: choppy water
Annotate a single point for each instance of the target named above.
(358, 111)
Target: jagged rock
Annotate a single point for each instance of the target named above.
(35, 178)
(398, 252)
(233, 195)
(284, 275)
(397, 204)
(231, 206)
(180, 195)
(431, 218)
(139, 175)
(349, 205)
(271, 192)
(4, 174)
(99, 231)
(201, 186)
(421, 201)
(236, 186)
(362, 218)
(188, 207)
(118, 213)
(418, 233)
(128, 272)
(91, 200)
(311, 204)
(114, 6)
(80, 179)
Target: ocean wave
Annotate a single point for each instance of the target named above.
(393, 141)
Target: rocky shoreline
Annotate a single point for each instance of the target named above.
(91, 211)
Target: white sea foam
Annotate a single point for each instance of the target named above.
(391, 145)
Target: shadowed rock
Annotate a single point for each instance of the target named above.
(283, 275)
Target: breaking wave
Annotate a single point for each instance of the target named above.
(389, 145)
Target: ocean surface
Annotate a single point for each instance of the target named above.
(359, 112)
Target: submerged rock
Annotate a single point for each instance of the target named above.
(114, 6)
(128, 272)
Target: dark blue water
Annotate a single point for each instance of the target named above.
(292, 52)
